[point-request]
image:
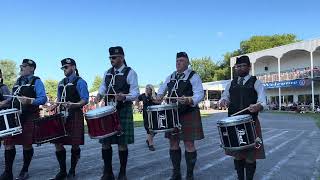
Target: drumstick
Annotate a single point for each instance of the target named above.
(104, 95)
(244, 109)
(22, 97)
(63, 102)
(176, 97)
(115, 94)
(34, 98)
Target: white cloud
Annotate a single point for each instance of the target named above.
(219, 34)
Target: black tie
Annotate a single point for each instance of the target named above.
(241, 80)
(116, 72)
(180, 75)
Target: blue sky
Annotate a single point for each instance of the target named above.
(151, 32)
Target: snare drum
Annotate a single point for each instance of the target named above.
(103, 122)
(49, 128)
(237, 132)
(163, 118)
(10, 122)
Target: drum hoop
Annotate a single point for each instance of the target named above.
(11, 131)
(163, 130)
(162, 107)
(252, 145)
(100, 115)
(9, 111)
(48, 117)
(103, 136)
(39, 142)
(239, 121)
(233, 123)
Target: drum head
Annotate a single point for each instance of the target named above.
(9, 111)
(162, 107)
(100, 112)
(235, 120)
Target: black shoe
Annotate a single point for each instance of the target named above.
(6, 176)
(23, 175)
(107, 177)
(122, 176)
(151, 147)
(189, 177)
(175, 176)
(60, 176)
(71, 174)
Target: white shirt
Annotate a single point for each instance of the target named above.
(132, 80)
(258, 86)
(197, 89)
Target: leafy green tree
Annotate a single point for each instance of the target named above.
(255, 43)
(9, 72)
(96, 83)
(205, 67)
(51, 88)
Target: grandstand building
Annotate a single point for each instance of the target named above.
(290, 73)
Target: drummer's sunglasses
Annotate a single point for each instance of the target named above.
(65, 67)
(113, 57)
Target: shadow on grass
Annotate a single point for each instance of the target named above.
(315, 116)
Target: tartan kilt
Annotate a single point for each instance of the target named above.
(191, 127)
(126, 123)
(74, 128)
(26, 137)
(252, 153)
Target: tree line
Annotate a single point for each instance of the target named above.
(208, 69)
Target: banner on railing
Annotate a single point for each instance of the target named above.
(289, 83)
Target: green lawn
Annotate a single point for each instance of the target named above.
(138, 119)
(315, 116)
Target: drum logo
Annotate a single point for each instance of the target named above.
(240, 133)
(161, 118)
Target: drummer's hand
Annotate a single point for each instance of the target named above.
(52, 107)
(3, 103)
(69, 105)
(224, 103)
(98, 98)
(120, 97)
(157, 100)
(24, 100)
(254, 108)
(185, 100)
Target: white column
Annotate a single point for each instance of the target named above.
(279, 70)
(295, 98)
(312, 83)
(252, 68)
(207, 93)
(231, 72)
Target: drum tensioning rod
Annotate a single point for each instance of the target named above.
(187, 97)
(22, 97)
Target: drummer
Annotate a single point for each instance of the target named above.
(245, 91)
(4, 90)
(30, 86)
(122, 81)
(148, 100)
(186, 84)
(71, 89)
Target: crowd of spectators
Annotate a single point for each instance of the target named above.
(295, 73)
